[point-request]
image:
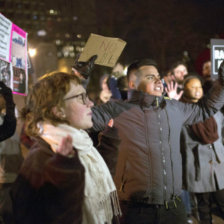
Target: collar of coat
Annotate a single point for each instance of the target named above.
(147, 101)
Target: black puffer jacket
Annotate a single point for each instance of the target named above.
(142, 144)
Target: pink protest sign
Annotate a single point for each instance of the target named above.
(19, 60)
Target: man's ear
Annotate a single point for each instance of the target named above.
(58, 112)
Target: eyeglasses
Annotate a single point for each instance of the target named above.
(82, 98)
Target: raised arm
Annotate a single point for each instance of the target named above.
(215, 99)
(104, 113)
(209, 105)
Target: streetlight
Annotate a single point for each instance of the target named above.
(32, 52)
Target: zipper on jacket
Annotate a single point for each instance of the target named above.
(164, 174)
(163, 158)
(170, 150)
(147, 143)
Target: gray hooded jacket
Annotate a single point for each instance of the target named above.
(203, 164)
(141, 144)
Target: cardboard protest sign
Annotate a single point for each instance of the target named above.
(13, 56)
(217, 55)
(108, 49)
(19, 59)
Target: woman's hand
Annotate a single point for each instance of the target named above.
(171, 91)
(65, 148)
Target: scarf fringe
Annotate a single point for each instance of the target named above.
(100, 195)
(115, 203)
(109, 206)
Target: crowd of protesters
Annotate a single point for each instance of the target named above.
(103, 149)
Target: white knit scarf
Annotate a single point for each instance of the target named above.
(100, 196)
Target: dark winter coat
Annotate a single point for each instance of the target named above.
(49, 188)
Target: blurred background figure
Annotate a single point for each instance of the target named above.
(178, 71)
(97, 89)
(105, 93)
(8, 126)
(203, 156)
(10, 154)
(5, 75)
(10, 162)
(122, 85)
(206, 70)
(206, 75)
(115, 83)
(168, 78)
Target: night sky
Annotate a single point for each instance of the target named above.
(165, 30)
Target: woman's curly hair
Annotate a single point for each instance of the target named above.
(47, 93)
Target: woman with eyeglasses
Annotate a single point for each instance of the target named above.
(63, 179)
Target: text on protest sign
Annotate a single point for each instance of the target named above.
(5, 35)
(217, 54)
(107, 49)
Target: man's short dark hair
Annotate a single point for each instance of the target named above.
(133, 66)
(147, 61)
(139, 63)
